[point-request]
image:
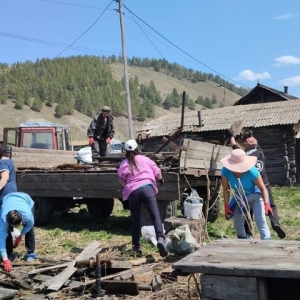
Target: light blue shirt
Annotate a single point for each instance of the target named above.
(247, 180)
(22, 203)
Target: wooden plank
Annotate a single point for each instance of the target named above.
(57, 281)
(228, 287)
(230, 257)
(200, 164)
(8, 293)
(41, 270)
(120, 287)
(201, 155)
(143, 278)
(30, 157)
(86, 185)
(124, 275)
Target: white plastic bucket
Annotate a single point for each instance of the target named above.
(192, 210)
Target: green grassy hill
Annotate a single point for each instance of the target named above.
(10, 117)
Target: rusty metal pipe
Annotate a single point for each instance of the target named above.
(98, 292)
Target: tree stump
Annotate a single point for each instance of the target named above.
(197, 226)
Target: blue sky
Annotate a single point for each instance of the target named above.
(242, 41)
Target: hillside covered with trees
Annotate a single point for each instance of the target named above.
(86, 83)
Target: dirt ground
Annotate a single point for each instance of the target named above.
(70, 233)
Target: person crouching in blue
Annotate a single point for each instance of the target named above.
(16, 210)
(241, 177)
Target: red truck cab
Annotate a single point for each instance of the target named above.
(40, 135)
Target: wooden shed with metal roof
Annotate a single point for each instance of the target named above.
(263, 94)
(275, 125)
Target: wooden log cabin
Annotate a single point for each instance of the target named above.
(275, 124)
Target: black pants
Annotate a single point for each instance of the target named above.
(29, 242)
(99, 147)
(145, 195)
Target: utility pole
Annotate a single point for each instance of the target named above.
(127, 90)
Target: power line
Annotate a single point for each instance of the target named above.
(78, 48)
(71, 4)
(147, 36)
(85, 30)
(71, 45)
(182, 49)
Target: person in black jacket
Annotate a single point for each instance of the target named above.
(253, 149)
(100, 132)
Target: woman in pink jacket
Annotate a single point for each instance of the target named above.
(138, 176)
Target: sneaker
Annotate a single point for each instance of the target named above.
(281, 234)
(137, 249)
(162, 247)
(30, 257)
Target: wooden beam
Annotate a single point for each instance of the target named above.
(41, 270)
(120, 287)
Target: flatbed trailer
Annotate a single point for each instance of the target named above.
(54, 190)
(195, 165)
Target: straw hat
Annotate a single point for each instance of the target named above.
(238, 161)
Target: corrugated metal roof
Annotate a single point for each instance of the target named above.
(253, 115)
(257, 92)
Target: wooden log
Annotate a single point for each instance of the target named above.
(57, 281)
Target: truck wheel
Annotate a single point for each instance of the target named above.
(43, 211)
(100, 209)
(166, 210)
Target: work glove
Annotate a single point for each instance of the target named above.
(108, 140)
(17, 241)
(228, 211)
(91, 141)
(161, 181)
(7, 265)
(228, 133)
(268, 209)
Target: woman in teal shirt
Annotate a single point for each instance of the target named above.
(240, 176)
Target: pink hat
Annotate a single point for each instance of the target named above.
(238, 161)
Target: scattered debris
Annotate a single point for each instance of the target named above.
(92, 273)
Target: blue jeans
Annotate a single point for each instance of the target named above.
(255, 202)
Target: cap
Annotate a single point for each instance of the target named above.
(131, 145)
(251, 141)
(105, 108)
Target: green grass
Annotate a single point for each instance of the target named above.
(287, 200)
(72, 231)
